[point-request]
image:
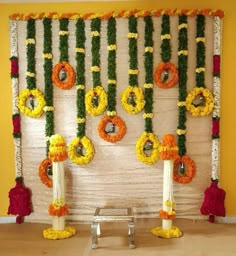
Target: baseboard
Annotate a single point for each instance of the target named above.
(10, 219)
(227, 219)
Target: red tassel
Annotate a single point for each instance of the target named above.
(20, 201)
(213, 204)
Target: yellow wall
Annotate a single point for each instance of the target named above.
(228, 116)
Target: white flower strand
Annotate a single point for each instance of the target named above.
(15, 92)
(216, 92)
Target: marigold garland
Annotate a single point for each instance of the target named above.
(112, 136)
(132, 98)
(44, 167)
(96, 97)
(53, 234)
(170, 215)
(186, 164)
(200, 101)
(31, 100)
(166, 74)
(81, 150)
(58, 209)
(68, 69)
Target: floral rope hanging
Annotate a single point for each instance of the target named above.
(45, 168)
(63, 75)
(166, 74)
(96, 97)
(81, 150)
(132, 98)
(147, 146)
(31, 100)
(199, 101)
(111, 128)
(184, 167)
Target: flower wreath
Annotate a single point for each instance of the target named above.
(70, 75)
(112, 137)
(53, 234)
(139, 99)
(162, 68)
(189, 169)
(140, 148)
(22, 102)
(43, 172)
(83, 143)
(101, 95)
(203, 109)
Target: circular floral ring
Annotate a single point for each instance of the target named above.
(140, 148)
(77, 158)
(112, 136)
(33, 111)
(203, 109)
(189, 169)
(53, 234)
(99, 93)
(166, 67)
(43, 174)
(138, 97)
(69, 78)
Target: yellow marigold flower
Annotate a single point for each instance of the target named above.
(148, 49)
(200, 39)
(80, 87)
(133, 35)
(183, 52)
(148, 115)
(109, 81)
(199, 70)
(183, 25)
(95, 33)
(166, 36)
(80, 50)
(63, 33)
(95, 69)
(180, 132)
(80, 120)
(111, 113)
(111, 47)
(30, 74)
(48, 108)
(47, 55)
(148, 85)
(181, 103)
(133, 71)
(30, 41)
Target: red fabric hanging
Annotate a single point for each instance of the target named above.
(20, 201)
(213, 204)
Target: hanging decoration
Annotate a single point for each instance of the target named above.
(184, 166)
(200, 102)
(80, 150)
(213, 204)
(63, 75)
(132, 98)
(31, 100)
(111, 128)
(166, 74)
(96, 97)
(147, 146)
(168, 152)
(58, 209)
(45, 168)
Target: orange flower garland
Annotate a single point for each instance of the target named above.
(168, 149)
(117, 122)
(166, 67)
(170, 215)
(69, 82)
(56, 210)
(43, 172)
(189, 172)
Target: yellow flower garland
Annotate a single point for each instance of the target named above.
(50, 233)
(201, 110)
(22, 105)
(138, 94)
(140, 148)
(102, 102)
(89, 150)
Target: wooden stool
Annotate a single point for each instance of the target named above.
(112, 215)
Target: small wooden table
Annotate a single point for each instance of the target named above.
(112, 215)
